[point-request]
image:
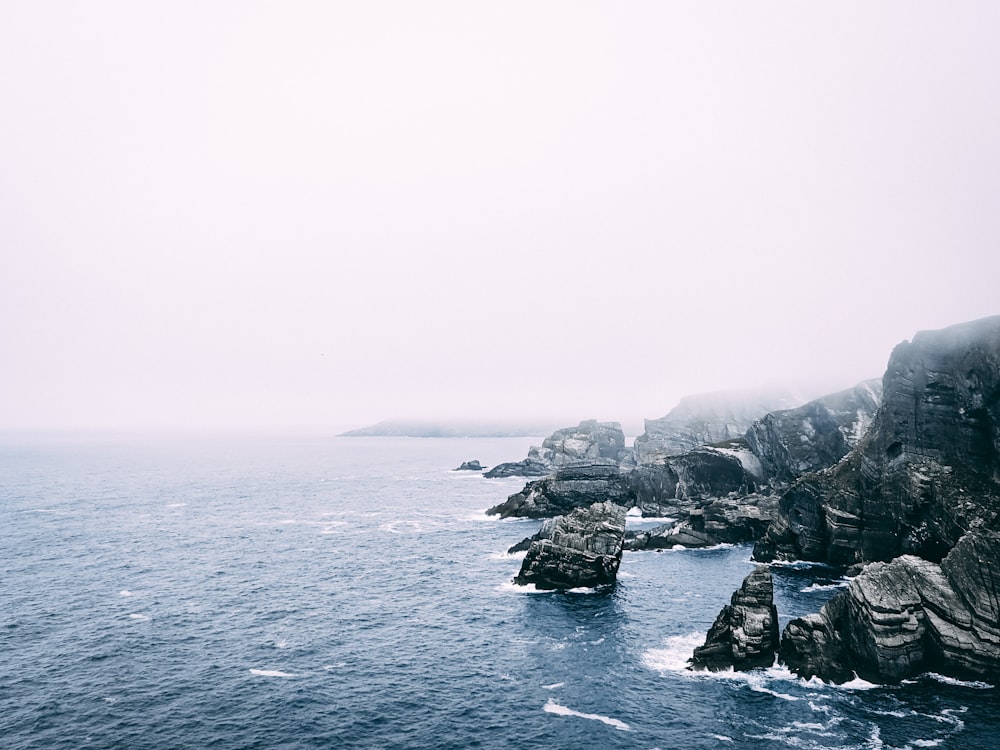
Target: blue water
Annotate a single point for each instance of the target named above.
(350, 593)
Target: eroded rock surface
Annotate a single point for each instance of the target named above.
(473, 465)
(745, 634)
(582, 549)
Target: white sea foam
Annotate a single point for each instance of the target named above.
(528, 588)
(945, 680)
(721, 738)
(926, 743)
(826, 586)
(582, 590)
(554, 686)
(508, 555)
(554, 708)
(271, 673)
(139, 617)
(176, 505)
(125, 592)
(756, 682)
(797, 564)
(675, 654)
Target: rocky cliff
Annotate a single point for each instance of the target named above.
(707, 418)
(899, 619)
(568, 489)
(928, 469)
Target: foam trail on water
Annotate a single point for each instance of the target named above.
(554, 708)
(271, 673)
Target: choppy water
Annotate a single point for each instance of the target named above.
(350, 593)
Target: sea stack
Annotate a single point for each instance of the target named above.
(582, 549)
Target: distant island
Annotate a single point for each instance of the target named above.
(413, 428)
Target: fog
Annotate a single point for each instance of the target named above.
(240, 214)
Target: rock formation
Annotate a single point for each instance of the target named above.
(582, 549)
(928, 469)
(816, 435)
(733, 519)
(472, 465)
(589, 443)
(899, 619)
(707, 418)
(745, 634)
(568, 489)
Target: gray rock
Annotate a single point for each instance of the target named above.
(589, 443)
(816, 435)
(745, 634)
(899, 619)
(473, 465)
(568, 489)
(582, 549)
(527, 467)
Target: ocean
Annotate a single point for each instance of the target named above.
(323, 592)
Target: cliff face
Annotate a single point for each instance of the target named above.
(706, 418)
(591, 442)
(928, 469)
(816, 435)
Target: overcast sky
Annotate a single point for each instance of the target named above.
(290, 213)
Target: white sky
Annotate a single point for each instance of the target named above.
(240, 213)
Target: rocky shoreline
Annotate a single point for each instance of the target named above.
(899, 479)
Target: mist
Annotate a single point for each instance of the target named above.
(249, 214)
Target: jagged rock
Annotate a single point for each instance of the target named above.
(707, 418)
(745, 634)
(927, 471)
(899, 619)
(545, 532)
(816, 435)
(527, 467)
(668, 536)
(582, 549)
(568, 489)
(473, 465)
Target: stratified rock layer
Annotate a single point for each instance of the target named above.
(928, 470)
(899, 619)
(582, 549)
(745, 634)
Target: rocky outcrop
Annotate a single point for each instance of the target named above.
(473, 465)
(589, 443)
(816, 435)
(678, 484)
(745, 634)
(899, 619)
(568, 489)
(734, 519)
(927, 471)
(707, 418)
(582, 549)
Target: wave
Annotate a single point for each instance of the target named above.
(508, 555)
(798, 564)
(553, 686)
(271, 673)
(554, 708)
(945, 680)
(125, 592)
(141, 618)
(825, 586)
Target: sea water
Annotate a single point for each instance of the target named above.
(283, 592)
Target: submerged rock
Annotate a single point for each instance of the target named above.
(582, 549)
(473, 465)
(568, 489)
(745, 634)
